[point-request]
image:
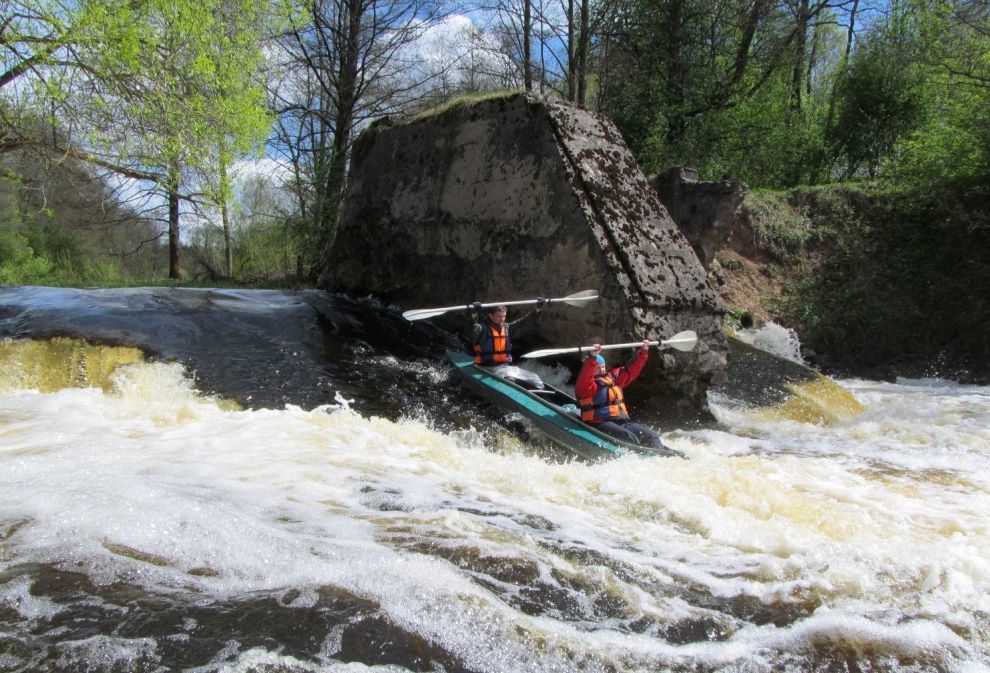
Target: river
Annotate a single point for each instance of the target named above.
(148, 522)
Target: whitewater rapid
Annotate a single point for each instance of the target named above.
(776, 546)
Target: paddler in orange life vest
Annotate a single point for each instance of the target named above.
(600, 393)
(493, 346)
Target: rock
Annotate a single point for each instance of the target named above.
(512, 198)
(704, 211)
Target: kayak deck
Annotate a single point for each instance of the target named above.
(552, 411)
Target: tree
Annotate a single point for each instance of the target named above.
(341, 64)
(562, 33)
(696, 81)
(133, 87)
(31, 36)
(952, 52)
(878, 102)
(514, 21)
(191, 100)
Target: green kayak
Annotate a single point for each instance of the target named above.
(551, 411)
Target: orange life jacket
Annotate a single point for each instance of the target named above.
(494, 347)
(607, 404)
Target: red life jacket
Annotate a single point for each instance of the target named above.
(607, 404)
(494, 347)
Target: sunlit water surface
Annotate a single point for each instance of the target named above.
(149, 528)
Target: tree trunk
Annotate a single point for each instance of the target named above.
(223, 189)
(173, 222)
(800, 44)
(333, 182)
(850, 36)
(228, 246)
(526, 46)
(812, 60)
(583, 42)
(571, 65)
(675, 71)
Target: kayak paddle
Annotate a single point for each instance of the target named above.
(577, 299)
(682, 341)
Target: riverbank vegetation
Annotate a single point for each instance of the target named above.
(207, 141)
(878, 278)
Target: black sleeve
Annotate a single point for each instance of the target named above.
(473, 329)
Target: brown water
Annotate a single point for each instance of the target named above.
(151, 522)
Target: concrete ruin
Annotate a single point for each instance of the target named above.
(704, 210)
(513, 197)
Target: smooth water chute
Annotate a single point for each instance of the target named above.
(767, 385)
(48, 365)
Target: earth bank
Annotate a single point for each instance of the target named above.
(877, 281)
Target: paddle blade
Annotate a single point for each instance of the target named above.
(547, 352)
(424, 313)
(580, 298)
(682, 341)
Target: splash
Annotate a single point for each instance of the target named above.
(821, 400)
(775, 339)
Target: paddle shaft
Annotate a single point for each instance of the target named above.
(578, 299)
(682, 341)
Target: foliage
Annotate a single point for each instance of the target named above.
(879, 102)
(736, 88)
(779, 227)
(59, 225)
(898, 277)
(19, 265)
(265, 240)
(462, 100)
(162, 92)
(762, 140)
(953, 46)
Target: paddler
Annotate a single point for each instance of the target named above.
(489, 334)
(601, 395)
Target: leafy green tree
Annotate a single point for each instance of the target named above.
(913, 103)
(701, 83)
(878, 102)
(952, 45)
(190, 100)
(154, 91)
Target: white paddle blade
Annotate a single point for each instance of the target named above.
(546, 352)
(579, 298)
(682, 341)
(424, 313)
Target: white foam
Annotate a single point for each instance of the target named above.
(775, 339)
(154, 484)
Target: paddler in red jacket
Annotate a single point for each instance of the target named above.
(601, 395)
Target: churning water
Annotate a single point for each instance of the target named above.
(145, 526)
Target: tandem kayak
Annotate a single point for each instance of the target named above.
(551, 411)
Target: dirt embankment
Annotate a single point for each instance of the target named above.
(752, 269)
(878, 281)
